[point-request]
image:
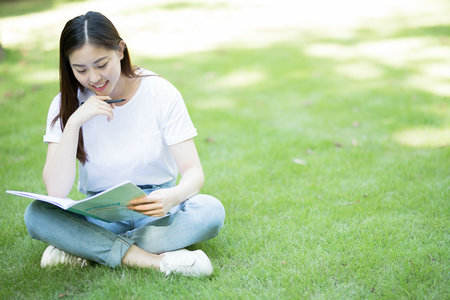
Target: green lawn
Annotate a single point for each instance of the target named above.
(333, 170)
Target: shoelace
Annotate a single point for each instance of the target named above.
(72, 259)
(180, 265)
(84, 262)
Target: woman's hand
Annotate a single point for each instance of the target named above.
(159, 202)
(156, 204)
(94, 106)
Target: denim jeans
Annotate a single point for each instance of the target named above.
(197, 219)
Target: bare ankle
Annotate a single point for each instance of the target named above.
(137, 257)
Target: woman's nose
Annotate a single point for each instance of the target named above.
(94, 77)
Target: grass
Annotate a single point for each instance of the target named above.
(21, 7)
(323, 200)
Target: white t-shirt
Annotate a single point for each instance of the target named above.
(134, 145)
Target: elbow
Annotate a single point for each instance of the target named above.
(52, 188)
(195, 179)
(201, 179)
(57, 194)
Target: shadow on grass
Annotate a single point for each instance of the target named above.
(429, 31)
(287, 86)
(10, 8)
(327, 102)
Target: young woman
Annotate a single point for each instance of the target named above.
(146, 139)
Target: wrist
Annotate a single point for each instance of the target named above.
(72, 124)
(177, 196)
(182, 192)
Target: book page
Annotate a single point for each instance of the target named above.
(64, 203)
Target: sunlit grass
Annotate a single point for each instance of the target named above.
(331, 164)
(424, 137)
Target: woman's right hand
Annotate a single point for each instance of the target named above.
(94, 106)
(60, 165)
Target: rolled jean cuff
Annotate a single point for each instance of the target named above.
(118, 250)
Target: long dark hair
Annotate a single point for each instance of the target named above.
(95, 29)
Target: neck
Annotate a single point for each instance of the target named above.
(121, 88)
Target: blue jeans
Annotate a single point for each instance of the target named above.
(197, 219)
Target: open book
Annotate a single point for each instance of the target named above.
(108, 206)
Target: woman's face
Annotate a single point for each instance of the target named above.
(97, 69)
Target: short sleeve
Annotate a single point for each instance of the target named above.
(176, 123)
(53, 132)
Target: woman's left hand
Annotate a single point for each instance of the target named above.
(159, 202)
(156, 204)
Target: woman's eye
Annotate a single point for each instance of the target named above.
(81, 71)
(102, 66)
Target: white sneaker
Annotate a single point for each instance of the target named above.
(185, 262)
(53, 256)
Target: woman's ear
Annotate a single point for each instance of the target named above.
(121, 49)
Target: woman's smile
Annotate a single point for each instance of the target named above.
(100, 87)
(98, 69)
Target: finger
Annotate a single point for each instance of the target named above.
(154, 213)
(103, 97)
(97, 104)
(106, 110)
(146, 207)
(157, 214)
(96, 98)
(140, 200)
(103, 104)
(155, 196)
(144, 203)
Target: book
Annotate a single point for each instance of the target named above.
(109, 205)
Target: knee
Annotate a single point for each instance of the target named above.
(35, 212)
(213, 213)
